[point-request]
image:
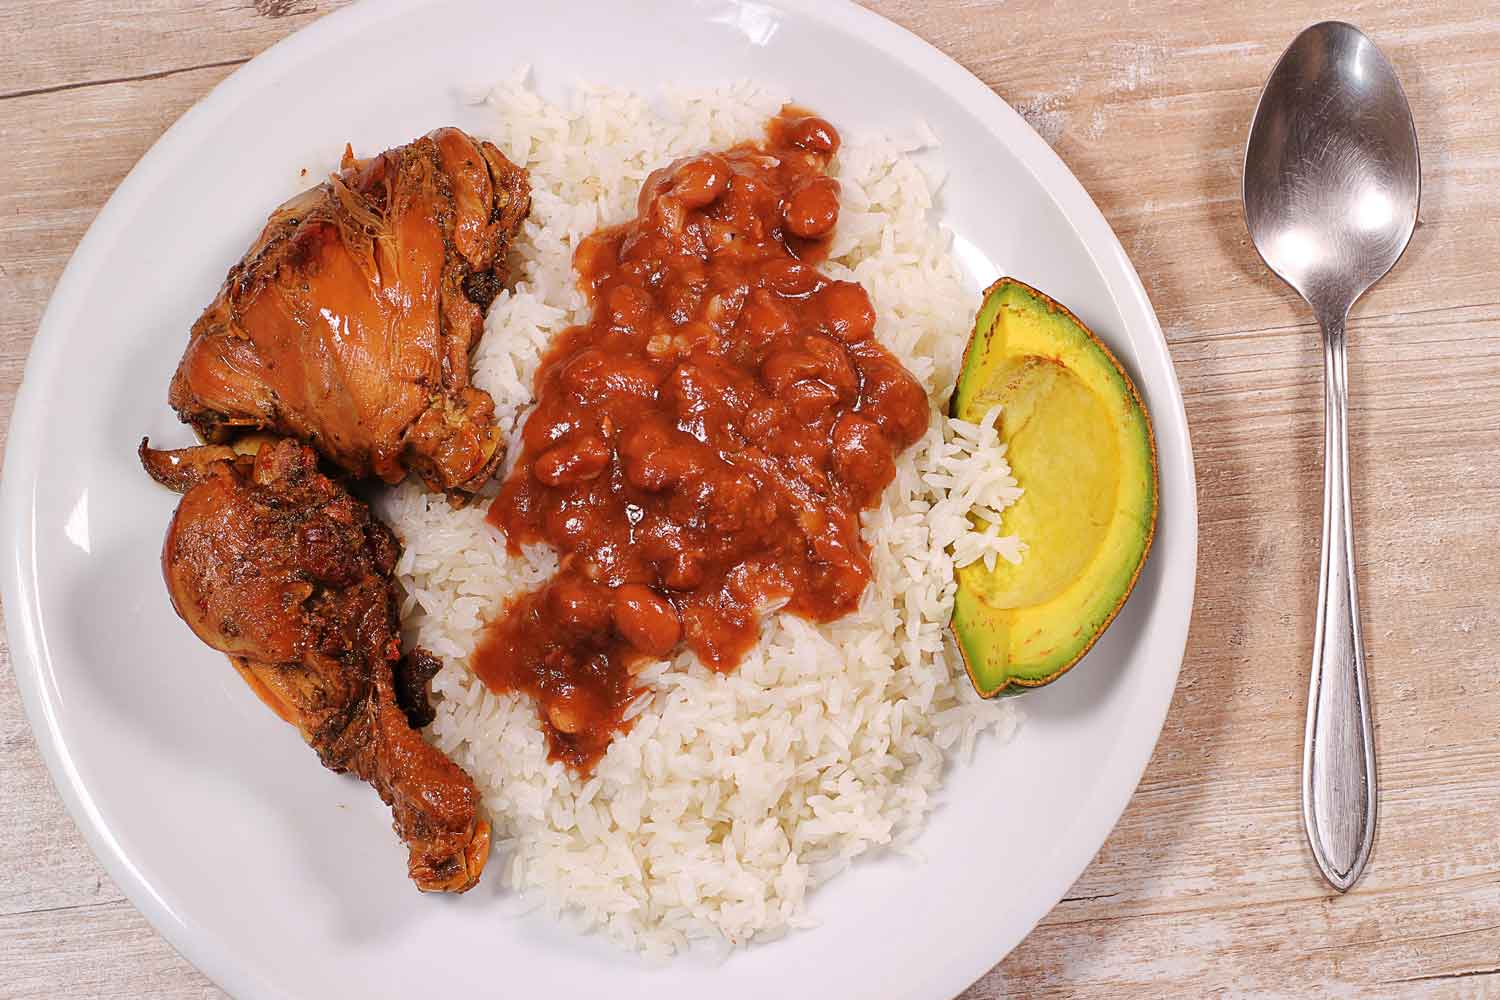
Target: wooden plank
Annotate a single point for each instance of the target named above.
(100, 951)
(1205, 888)
(72, 44)
(45, 862)
(66, 153)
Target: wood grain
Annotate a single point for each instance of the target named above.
(1205, 888)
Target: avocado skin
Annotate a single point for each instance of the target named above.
(1016, 628)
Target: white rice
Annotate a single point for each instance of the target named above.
(731, 796)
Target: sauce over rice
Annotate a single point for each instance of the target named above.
(702, 448)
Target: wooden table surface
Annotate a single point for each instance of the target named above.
(1206, 887)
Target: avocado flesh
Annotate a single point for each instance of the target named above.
(1079, 443)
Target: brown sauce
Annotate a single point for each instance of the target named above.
(700, 450)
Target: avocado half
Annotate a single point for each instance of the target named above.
(1079, 443)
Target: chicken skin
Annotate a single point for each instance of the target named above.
(349, 322)
(274, 564)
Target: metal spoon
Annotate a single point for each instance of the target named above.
(1332, 180)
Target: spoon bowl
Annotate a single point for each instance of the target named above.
(1332, 174)
(1331, 188)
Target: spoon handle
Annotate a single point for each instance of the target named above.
(1338, 754)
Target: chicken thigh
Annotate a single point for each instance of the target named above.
(348, 323)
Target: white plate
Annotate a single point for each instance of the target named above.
(278, 878)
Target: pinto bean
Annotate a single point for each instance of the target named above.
(892, 397)
(813, 209)
(701, 180)
(790, 278)
(811, 133)
(862, 456)
(580, 605)
(574, 461)
(846, 312)
(657, 457)
(646, 620)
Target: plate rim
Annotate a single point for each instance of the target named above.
(31, 661)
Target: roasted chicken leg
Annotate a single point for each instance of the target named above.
(348, 323)
(282, 569)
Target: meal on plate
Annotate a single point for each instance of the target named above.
(706, 461)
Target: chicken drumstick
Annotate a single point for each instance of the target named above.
(282, 569)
